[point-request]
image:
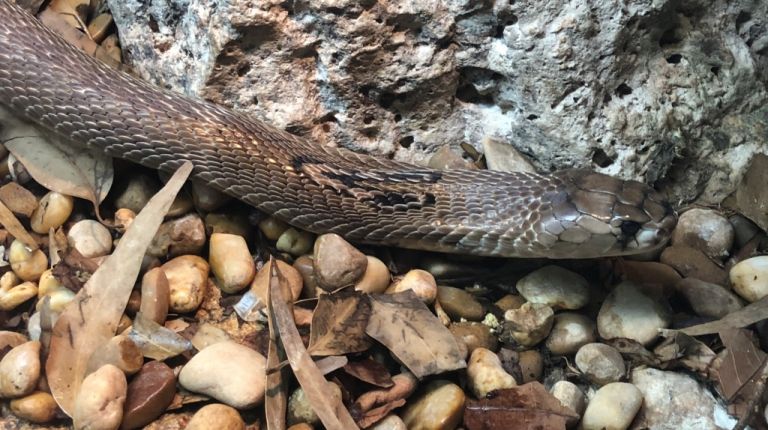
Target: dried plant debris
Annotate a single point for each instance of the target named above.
(529, 406)
(338, 324)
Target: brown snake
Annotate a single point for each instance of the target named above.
(568, 214)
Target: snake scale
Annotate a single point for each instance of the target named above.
(567, 214)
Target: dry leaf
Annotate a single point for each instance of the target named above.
(59, 166)
(276, 401)
(91, 319)
(743, 359)
(526, 407)
(403, 324)
(333, 416)
(743, 317)
(338, 324)
(331, 363)
(12, 224)
(686, 351)
(156, 341)
(370, 371)
(374, 405)
(18, 199)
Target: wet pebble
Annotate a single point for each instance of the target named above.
(52, 212)
(691, 262)
(90, 238)
(531, 364)
(708, 300)
(555, 287)
(474, 335)
(749, 278)
(227, 371)
(571, 397)
(376, 278)
(231, 262)
(485, 373)
(458, 304)
(570, 332)
(38, 407)
(421, 282)
(99, 402)
(218, 416)
(20, 370)
(629, 313)
(26, 263)
(706, 230)
(600, 363)
(613, 407)
(295, 242)
(149, 394)
(529, 324)
(185, 235)
(187, 281)
(439, 406)
(337, 263)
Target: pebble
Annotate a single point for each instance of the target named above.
(529, 324)
(531, 364)
(216, 416)
(155, 295)
(295, 242)
(744, 229)
(228, 222)
(613, 407)
(708, 300)
(99, 403)
(555, 287)
(337, 263)
(136, 192)
(600, 363)
(99, 27)
(187, 281)
(17, 295)
(207, 199)
(208, 334)
(11, 339)
(440, 406)
(52, 212)
(301, 411)
(272, 228)
(18, 199)
(90, 238)
(485, 373)
(706, 230)
(691, 262)
(475, 335)
(38, 407)
(119, 351)
(421, 282)
(570, 332)
(306, 268)
(674, 400)
(376, 278)
(149, 393)
(59, 300)
(181, 205)
(260, 284)
(459, 304)
(180, 236)
(390, 422)
(124, 218)
(20, 370)
(446, 158)
(510, 301)
(229, 372)
(231, 262)
(629, 313)
(27, 264)
(656, 279)
(571, 397)
(749, 278)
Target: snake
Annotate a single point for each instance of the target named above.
(573, 213)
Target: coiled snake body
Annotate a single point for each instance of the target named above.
(569, 214)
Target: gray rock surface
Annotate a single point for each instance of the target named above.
(667, 91)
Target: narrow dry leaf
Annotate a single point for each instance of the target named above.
(156, 341)
(743, 317)
(331, 363)
(57, 165)
(276, 401)
(338, 324)
(686, 351)
(92, 318)
(13, 225)
(528, 406)
(333, 416)
(403, 324)
(742, 362)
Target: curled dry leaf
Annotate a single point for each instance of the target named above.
(331, 411)
(528, 406)
(12, 224)
(156, 341)
(369, 371)
(58, 165)
(374, 405)
(403, 324)
(338, 324)
(91, 319)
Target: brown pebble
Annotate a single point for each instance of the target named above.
(38, 407)
(185, 235)
(216, 416)
(149, 394)
(155, 295)
(119, 351)
(510, 301)
(260, 284)
(306, 267)
(694, 263)
(18, 199)
(531, 365)
(458, 303)
(475, 335)
(337, 263)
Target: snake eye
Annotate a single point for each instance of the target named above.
(629, 228)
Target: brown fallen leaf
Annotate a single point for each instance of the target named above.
(369, 371)
(750, 314)
(403, 324)
(751, 198)
(80, 40)
(527, 407)
(374, 405)
(276, 399)
(18, 199)
(331, 363)
(684, 350)
(338, 324)
(58, 165)
(331, 411)
(91, 319)
(156, 341)
(743, 359)
(13, 225)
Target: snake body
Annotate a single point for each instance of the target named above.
(568, 214)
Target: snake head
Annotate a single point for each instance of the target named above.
(599, 215)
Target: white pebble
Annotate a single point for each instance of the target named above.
(90, 238)
(706, 230)
(485, 373)
(749, 278)
(613, 407)
(600, 363)
(629, 313)
(570, 332)
(555, 287)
